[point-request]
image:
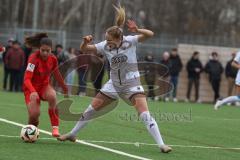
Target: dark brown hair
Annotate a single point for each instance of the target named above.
(37, 40)
(214, 54)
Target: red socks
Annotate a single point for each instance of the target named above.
(54, 117)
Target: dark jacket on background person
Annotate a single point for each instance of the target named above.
(15, 59)
(5, 53)
(214, 69)
(61, 57)
(176, 65)
(27, 52)
(150, 70)
(230, 71)
(193, 64)
(168, 64)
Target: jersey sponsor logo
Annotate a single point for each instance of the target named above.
(118, 60)
(30, 67)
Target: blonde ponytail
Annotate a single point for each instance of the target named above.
(120, 17)
(117, 31)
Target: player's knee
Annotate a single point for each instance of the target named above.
(51, 98)
(34, 101)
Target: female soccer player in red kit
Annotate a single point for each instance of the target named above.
(41, 65)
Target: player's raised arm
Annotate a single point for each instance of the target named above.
(143, 33)
(86, 46)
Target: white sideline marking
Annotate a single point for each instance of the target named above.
(138, 144)
(82, 142)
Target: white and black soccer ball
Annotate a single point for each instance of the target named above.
(29, 133)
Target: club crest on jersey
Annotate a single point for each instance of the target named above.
(30, 67)
(118, 60)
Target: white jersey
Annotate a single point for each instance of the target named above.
(124, 75)
(123, 61)
(237, 59)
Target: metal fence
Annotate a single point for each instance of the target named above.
(157, 45)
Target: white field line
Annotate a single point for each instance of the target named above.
(138, 144)
(82, 142)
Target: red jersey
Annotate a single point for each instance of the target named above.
(39, 71)
(2, 49)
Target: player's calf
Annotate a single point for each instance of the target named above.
(33, 119)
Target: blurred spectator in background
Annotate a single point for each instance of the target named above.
(194, 69)
(62, 57)
(150, 75)
(82, 72)
(5, 68)
(231, 74)
(2, 48)
(14, 60)
(174, 71)
(167, 63)
(27, 52)
(96, 65)
(214, 68)
(71, 69)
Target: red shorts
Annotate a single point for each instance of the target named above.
(40, 91)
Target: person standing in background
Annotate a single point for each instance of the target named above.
(215, 69)
(70, 72)
(27, 52)
(5, 68)
(174, 71)
(96, 65)
(150, 75)
(2, 48)
(82, 72)
(194, 69)
(167, 63)
(15, 60)
(60, 54)
(62, 57)
(231, 74)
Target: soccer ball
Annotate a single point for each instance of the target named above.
(29, 133)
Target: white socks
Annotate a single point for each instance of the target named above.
(152, 127)
(230, 100)
(148, 120)
(87, 115)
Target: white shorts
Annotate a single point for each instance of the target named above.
(237, 80)
(125, 92)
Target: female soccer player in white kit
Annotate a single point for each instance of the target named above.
(231, 99)
(124, 76)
